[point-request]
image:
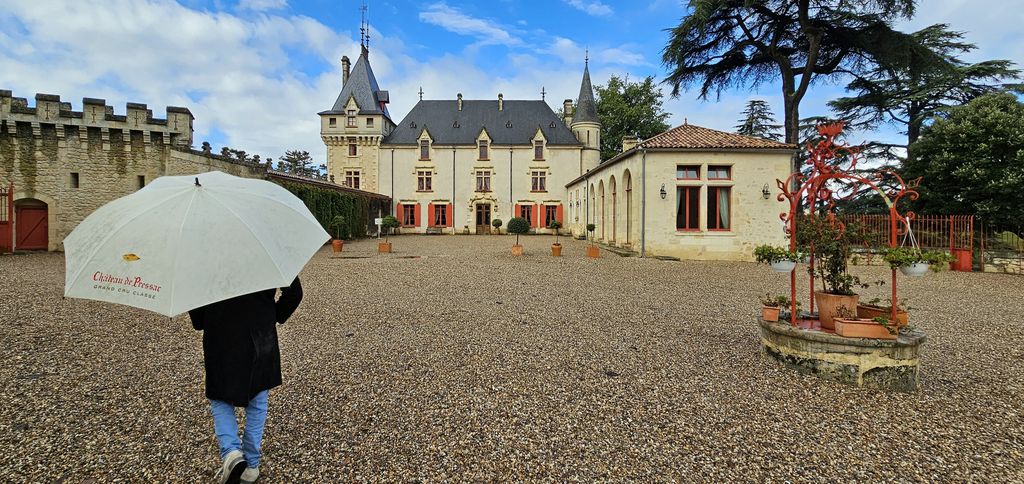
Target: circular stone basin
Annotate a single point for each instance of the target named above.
(874, 363)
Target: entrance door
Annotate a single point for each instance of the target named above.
(31, 228)
(483, 218)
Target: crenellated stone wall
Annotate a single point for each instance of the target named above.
(46, 148)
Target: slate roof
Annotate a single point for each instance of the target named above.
(586, 108)
(515, 124)
(689, 136)
(363, 85)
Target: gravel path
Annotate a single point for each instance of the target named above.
(465, 363)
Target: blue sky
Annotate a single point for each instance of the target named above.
(256, 72)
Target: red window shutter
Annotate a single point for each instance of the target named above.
(558, 214)
(518, 210)
(399, 214)
(448, 216)
(430, 215)
(416, 214)
(533, 215)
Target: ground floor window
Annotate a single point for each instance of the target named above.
(718, 208)
(687, 208)
(409, 215)
(352, 178)
(526, 212)
(440, 215)
(550, 214)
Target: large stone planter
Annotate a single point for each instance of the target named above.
(884, 364)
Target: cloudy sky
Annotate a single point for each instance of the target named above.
(256, 72)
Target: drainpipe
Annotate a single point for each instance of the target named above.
(392, 210)
(454, 218)
(643, 197)
(511, 202)
(586, 206)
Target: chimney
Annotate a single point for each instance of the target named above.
(501, 102)
(628, 142)
(344, 70)
(567, 111)
(460, 101)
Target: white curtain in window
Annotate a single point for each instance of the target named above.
(723, 207)
(680, 223)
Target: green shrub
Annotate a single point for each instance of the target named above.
(518, 226)
(388, 224)
(769, 254)
(904, 256)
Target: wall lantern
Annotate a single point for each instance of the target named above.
(663, 192)
(765, 192)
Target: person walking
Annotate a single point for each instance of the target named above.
(242, 362)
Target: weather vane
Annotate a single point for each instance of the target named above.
(542, 93)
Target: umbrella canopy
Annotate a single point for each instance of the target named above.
(183, 242)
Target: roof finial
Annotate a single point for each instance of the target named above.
(542, 93)
(421, 93)
(586, 58)
(364, 29)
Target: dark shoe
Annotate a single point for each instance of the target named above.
(231, 471)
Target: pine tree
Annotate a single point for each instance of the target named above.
(758, 120)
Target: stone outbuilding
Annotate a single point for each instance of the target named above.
(689, 192)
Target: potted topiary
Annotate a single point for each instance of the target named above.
(556, 248)
(388, 224)
(339, 227)
(592, 250)
(496, 223)
(829, 243)
(781, 259)
(518, 226)
(914, 262)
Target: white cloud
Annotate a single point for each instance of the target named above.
(453, 20)
(261, 5)
(594, 7)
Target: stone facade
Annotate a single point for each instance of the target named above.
(73, 162)
(618, 201)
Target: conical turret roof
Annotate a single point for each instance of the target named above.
(586, 108)
(362, 85)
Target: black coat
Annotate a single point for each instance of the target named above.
(240, 349)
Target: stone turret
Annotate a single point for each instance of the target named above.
(585, 124)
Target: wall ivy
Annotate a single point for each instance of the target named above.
(326, 204)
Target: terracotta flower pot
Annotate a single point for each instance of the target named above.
(517, 250)
(384, 247)
(867, 311)
(337, 245)
(828, 304)
(593, 252)
(556, 250)
(861, 328)
(769, 313)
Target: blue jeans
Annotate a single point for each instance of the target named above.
(226, 427)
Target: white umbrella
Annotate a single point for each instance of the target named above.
(186, 241)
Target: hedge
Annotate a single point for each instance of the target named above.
(326, 204)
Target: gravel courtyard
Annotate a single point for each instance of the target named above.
(450, 360)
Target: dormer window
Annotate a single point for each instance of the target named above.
(538, 150)
(351, 121)
(424, 149)
(484, 149)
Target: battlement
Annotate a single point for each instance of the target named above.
(176, 127)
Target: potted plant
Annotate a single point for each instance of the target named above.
(388, 224)
(592, 250)
(339, 227)
(771, 306)
(496, 223)
(518, 226)
(848, 325)
(781, 259)
(829, 243)
(556, 248)
(914, 262)
(874, 309)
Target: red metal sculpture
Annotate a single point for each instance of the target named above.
(833, 177)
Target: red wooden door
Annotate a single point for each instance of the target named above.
(31, 229)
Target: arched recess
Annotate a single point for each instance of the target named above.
(600, 215)
(613, 208)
